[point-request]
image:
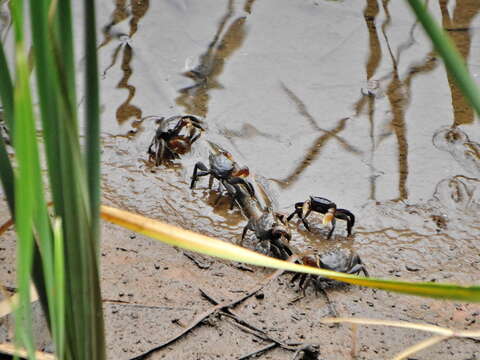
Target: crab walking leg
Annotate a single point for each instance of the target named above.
(247, 227)
(346, 215)
(196, 174)
(298, 209)
(241, 181)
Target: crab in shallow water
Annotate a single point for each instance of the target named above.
(225, 170)
(174, 137)
(271, 230)
(323, 206)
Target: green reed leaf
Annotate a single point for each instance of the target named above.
(454, 62)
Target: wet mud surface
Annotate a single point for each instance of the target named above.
(340, 99)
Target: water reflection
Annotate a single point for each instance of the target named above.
(302, 110)
(248, 6)
(458, 28)
(5, 20)
(314, 151)
(398, 92)
(136, 9)
(375, 54)
(194, 99)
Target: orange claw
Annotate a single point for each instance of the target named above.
(327, 219)
(242, 172)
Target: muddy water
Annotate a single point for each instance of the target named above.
(335, 99)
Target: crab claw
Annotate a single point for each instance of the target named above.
(305, 208)
(281, 232)
(328, 218)
(179, 145)
(242, 172)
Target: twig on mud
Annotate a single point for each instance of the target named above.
(200, 264)
(242, 267)
(207, 313)
(307, 349)
(259, 351)
(244, 325)
(143, 306)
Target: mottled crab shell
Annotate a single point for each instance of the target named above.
(221, 164)
(336, 260)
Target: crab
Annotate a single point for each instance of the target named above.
(336, 260)
(174, 137)
(323, 206)
(223, 168)
(271, 230)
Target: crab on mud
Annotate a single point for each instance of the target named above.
(272, 232)
(336, 260)
(323, 206)
(225, 170)
(174, 137)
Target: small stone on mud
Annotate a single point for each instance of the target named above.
(157, 267)
(260, 296)
(412, 268)
(133, 236)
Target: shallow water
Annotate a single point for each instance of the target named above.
(339, 99)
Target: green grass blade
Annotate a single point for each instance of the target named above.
(203, 244)
(49, 96)
(6, 175)
(24, 195)
(6, 91)
(6, 97)
(59, 268)
(66, 49)
(447, 50)
(92, 112)
(84, 321)
(92, 155)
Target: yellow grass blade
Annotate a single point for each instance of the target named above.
(420, 346)
(8, 305)
(401, 324)
(10, 349)
(214, 247)
(407, 325)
